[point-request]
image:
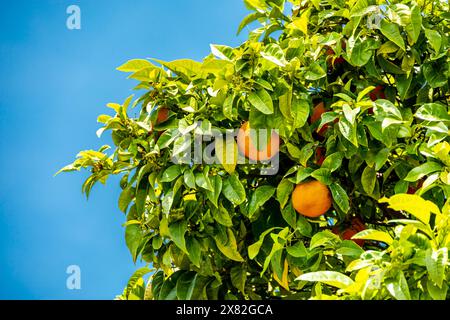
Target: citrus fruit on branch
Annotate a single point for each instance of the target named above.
(256, 145)
(311, 199)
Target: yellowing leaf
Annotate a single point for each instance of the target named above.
(376, 235)
(284, 278)
(360, 281)
(229, 248)
(413, 204)
(301, 23)
(227, 153)
(190, 197)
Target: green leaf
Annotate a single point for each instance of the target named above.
(141, 196)
(333, 161)
(222, 216)
(398, 287)
(436, 262)
(433, 112)
(157, 280)
(323, 239)
(381, 158)
(332, 278)
(183, 67)
(273, 53)
(304, 154)
(171, 173)
(194, 250)
(233, 190)
(361, 54)
(185, 285)
(435, 73)
(284, 191)
(169, 289)
(413, 28)
(265, 84)
(213, 196)
(133, 238)
(203, 181)
(389, 108)
(323, 175)
(125, 198)
(285, 104)
(228, 246)
(222, 52)
(228, 107)
(435, 292)
(434, 38)
(403, 85)
(253, 249)
(238, 277)
(300, 111)
(369, 179)
(276, 247)
(135, 65)
(423, 170)
(314, 72)
(249, 19)
(392, 32)
(177, 231)
(189, 179)
(375, 235)
(294, 151)
(348, 130)
(340, 197)
(167, 202)
(261, 100)
(138, 274)
(298, 250)
(290, 215)
(259, 197)
(255, 4)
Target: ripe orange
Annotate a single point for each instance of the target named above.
(317, 112)
(377, 93)
(330, 55)
(348, 232)
(163, 115)
(311, 199)
(251, 151)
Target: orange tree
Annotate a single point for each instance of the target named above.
(358, 92)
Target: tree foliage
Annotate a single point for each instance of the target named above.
(223, 230)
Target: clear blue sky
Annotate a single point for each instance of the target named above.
(53, 84)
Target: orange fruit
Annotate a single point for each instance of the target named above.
(377, 93)
(317, 112)
(346, 233)
(250, 150)
(331, 61)
(311, 199)
(163, 115)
